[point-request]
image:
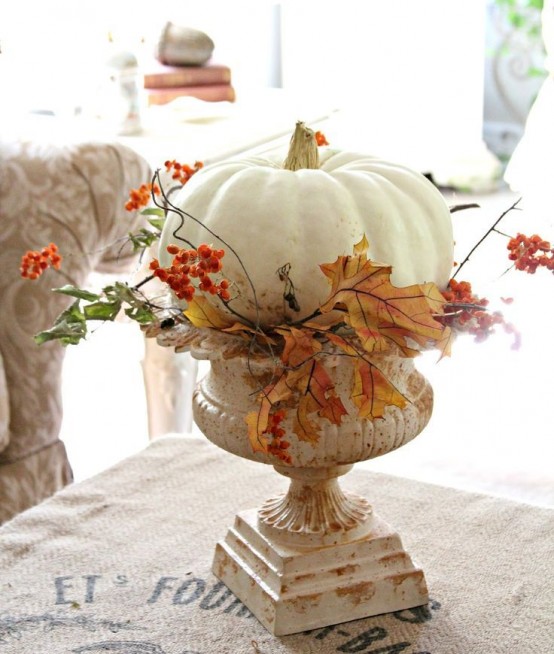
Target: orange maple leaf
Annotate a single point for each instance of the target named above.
(312, 384)
(316, 394)
(300, 346)
(381, 316)
(380, 313)
(258, 421)
(304, 377)
(309, 375)
(372, 392)
(306, 429)
(248, 333)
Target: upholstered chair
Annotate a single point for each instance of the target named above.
(74, 196)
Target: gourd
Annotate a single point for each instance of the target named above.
(278, 222)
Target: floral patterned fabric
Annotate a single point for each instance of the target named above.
(26, 482)
(4, 407)
(74, 196)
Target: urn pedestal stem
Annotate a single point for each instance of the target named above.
(315, 511)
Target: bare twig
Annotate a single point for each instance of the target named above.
(463, 207)
(489, 231)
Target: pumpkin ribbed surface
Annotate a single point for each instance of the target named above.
(272, 217)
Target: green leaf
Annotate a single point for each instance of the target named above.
(102, 310)
(80, 293)
(66, 333)
(72, 314)
(143, 239)
(138, 308)
(158, 223)
(122, 292)
(140, 314)
(153, 211)
(69, 328)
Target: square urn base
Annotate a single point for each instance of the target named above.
(293, 589)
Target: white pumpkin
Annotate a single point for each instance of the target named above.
(272, 216)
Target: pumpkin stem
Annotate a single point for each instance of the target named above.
(303, 151)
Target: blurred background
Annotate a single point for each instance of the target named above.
(445, 86)
(414, 69)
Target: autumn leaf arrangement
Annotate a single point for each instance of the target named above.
(364, 316)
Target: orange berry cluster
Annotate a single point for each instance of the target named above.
(182, 172)
(278, 447)
(470, 319)
(189, 265)
(320, 138)
(530, 252)
(140, 197)
(34, 263)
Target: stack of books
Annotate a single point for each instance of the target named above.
(210, 82)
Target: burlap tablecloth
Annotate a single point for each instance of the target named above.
(121, 563)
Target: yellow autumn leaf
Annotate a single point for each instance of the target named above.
(362, 246)
(202, 313)
(300, 346)
(304, 428)
(257, 421)
(248, 332)
(316, 394)
(381, 313)
(372, 392)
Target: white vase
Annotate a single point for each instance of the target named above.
(316, 555)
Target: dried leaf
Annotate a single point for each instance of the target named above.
(304, 428)
(445, 344)
(372, 392)
(379, 312)
(361, 247)
(311, 378)
(202, 313)
(324, 321)
(343, 343)
(380, 315)
(316, 393)
(300, 346)
(305, 378)
(258, 421)
(320, 388)
(248, 332)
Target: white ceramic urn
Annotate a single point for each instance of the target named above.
(316, 555)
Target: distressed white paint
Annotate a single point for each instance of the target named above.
(292, 589)
(316, 555)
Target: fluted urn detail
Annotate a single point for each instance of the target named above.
(228, 394)
(315, 506)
